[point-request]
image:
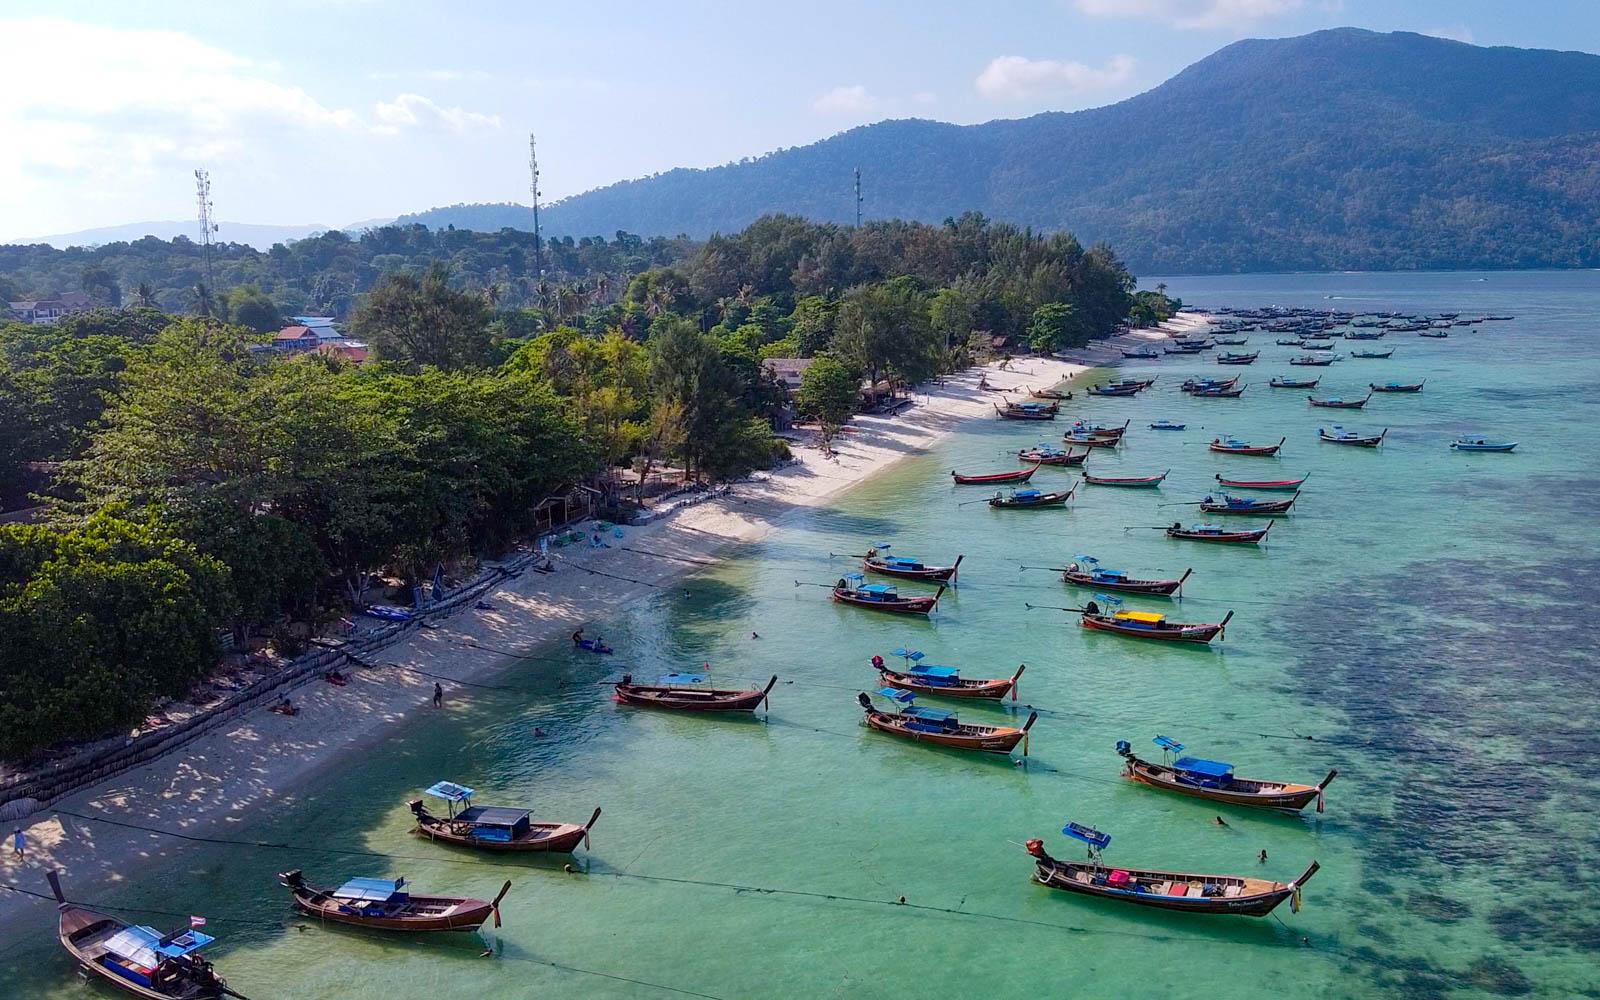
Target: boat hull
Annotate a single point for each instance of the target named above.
(1226, 538)
(938, 574)
(459, 914)
(76, 926)
(997, 740)
(976, 690)
(1265, 484)
(1196, 633)
(1160, 588)
(1292, 797)
(1258, 899)
(692, 699)
(899, 606)
(546, 838)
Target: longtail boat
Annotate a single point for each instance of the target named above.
(878, 560)
(946, 682)
(1230, 341)
(1132, 383)
(1376, 334)
(1148, 624)
(1193, 384)
(1232, 393)
(682, 693)
(1436, 334)
(1086, 571)
(1147, 353)
(1336, 403)
(983, 385)
(1091, 440)
(1233, 446)
(1027, 411)
(1044, 454)
(1320, 345)
(853, 589)
(1294, 383)
(1214, 780)
(1339, 435)
(941, 728)
(1130, 481)
(1215, 533)
(384, 905)
(1471, 443)
(1237, 359)
(1372, 354)
(1307, 361)
(1056, 394)
(1397, 386)
(1167, 425)
(1183, 891)
(1246, 505)
(1262, 484)
(493, 828)
(1104, 390)
(990, 478)
(136, 959)
(1026, 499)
(1109, 431)
(1290, 342)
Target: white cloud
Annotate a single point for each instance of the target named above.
(853, 100)
(1192, 13)
(1454, 32)
(416, 111)
(1015, 78)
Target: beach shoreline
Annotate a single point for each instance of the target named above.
(219, 782)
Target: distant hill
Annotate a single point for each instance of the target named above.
(259, 236)
(1342, 149)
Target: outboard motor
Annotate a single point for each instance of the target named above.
(1123, 748)
(866, 702)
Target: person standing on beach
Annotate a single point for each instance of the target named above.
(17, 843)
(438, 695)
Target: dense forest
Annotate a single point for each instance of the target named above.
(195, 483)
(1343, 149)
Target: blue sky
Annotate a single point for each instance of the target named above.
(346, 110)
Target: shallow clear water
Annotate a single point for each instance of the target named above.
(1423, 617)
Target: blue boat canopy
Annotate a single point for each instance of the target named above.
(881, 589)
(1088, 834)
(450, 791)
(908, 654)
(1114, 601)
(373, 890)
(1091, 560)
(678, 678)
(147, 947)
(895, 694)
(1168, 743)
(938, 673)
(1204, 768)
(880, 546)
(1027, 493)
(907, 563)
(853, 577)
(928, 714)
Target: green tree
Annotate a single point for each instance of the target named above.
(248, 306)
(828, 392)
(101, 286)
(422, 322)
(1057, 326)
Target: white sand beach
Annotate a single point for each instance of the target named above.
(216, 783)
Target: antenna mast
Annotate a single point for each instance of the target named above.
(858, 197)
(533, 186)
(202, 191)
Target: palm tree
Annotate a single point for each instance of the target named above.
(492, 293)
(656, 301)
(145, 296)
(201, 300)
(602, 288)
(567, 301)
(746, 296)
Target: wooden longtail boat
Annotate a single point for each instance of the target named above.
(1335, 403)
(1436, 334)
(1372, 354)
(946, 682)
(1310, 362)
(1233, 446)
(1338, 435)
(494, 828)
(677, 691)
(1146, 353)
(1220, 393)
(135, 959)
(384, 905)
(1132, 383)
(1150, 625)
(990, 478)
(1470, 443)
(1046, 455)
(1397, 386)
(1294, 383)
(1213, 533)
(1321, 345)
(1290, 342)
(1246, 505)
(1230, 341)
(1129, 481)
(1028, 499)
(853, 589)
(1086, 571)
(941, 728)
(877, 560)
(1050, 394)
(1091, 440)
(1238, 359)
(1112, 432)
(1183, 891)
(1193, 384)
(1262, 484)
(1167, 425)
(1101, 390)
(1215, 781)
(1027, 411)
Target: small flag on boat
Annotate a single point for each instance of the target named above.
(196, 922)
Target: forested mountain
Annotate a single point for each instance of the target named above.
(1339, 149)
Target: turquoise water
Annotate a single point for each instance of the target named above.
(1424, 618)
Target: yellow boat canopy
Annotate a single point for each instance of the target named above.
(1148, 617)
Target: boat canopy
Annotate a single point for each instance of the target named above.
(908, 654)
(936, 673)
(854, 578)
(902, 562)
(895, 694)
(148, 947)
(1029, 494)
(370, 890)
(1091, 560)
(680, 678)
(1202, 767)
(496, 816)
(877, 589)
(1088, 834)
(1107, 598)
(449, 791)
(927, 714)
(1146, 617)
(1168, 743)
